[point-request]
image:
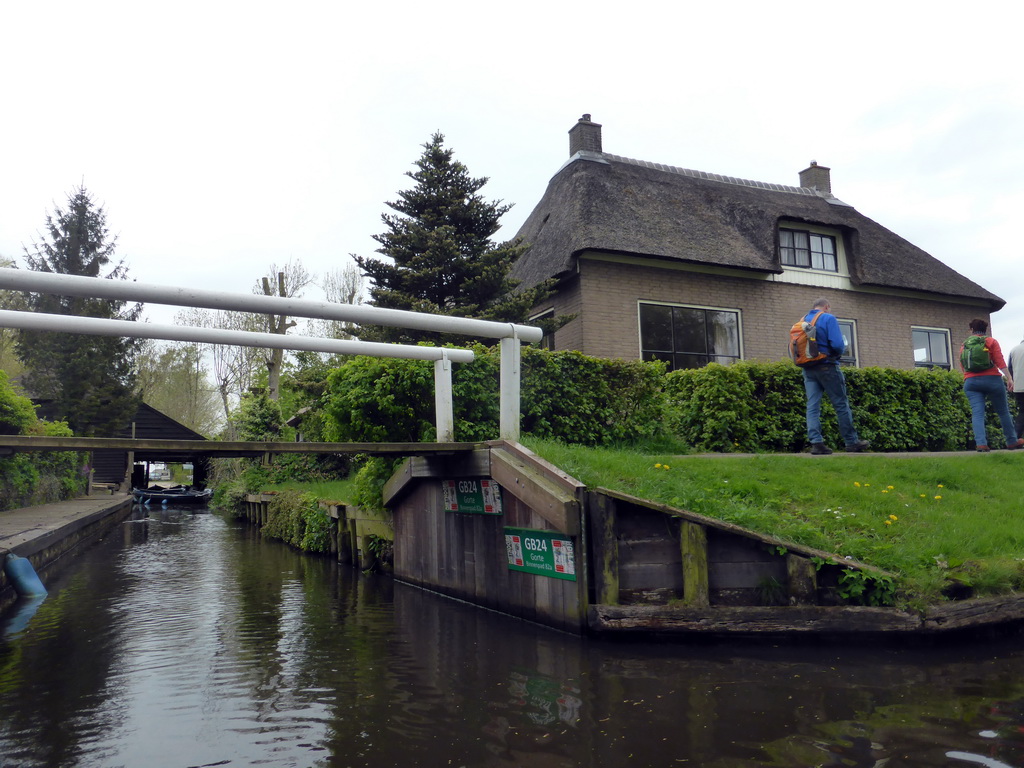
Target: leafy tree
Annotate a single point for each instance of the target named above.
(89, 379)
(258, 418)
(13, 300)
(439, 257)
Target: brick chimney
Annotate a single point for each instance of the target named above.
(817, 177)
(585, 135)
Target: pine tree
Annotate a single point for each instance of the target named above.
(439, 254)
(89, 380)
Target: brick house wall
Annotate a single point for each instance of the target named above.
(607, 293)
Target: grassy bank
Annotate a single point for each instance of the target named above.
(930, 520)
(328, 490)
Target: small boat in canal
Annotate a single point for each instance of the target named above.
(176, 494)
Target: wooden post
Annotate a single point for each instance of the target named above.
(693, 539)
(802, 580)
(606, 548)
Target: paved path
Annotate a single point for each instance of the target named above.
(28, 530)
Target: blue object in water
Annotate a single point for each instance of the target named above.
(23, 576)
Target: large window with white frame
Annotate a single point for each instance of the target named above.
(689, 336)
(849, 331)
(808, 250)
(931, 347)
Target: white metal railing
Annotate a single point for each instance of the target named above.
(510, 335)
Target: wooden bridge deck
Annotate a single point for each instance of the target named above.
(222, 449)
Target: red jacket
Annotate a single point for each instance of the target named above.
(995, 353)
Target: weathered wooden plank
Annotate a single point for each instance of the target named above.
(552, 502)
(729, 548)
(694, 550)
(523, 454)
(469, 464)
(981, 612)
(649, 576)
(736, 575)
(752, 619)
(224, 448)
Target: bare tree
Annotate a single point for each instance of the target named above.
(234, 368)
(340, 286)
(286, 282)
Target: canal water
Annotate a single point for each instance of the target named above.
(183, 639)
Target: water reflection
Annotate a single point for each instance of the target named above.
(186, 640)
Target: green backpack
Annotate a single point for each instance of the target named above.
(974, 358)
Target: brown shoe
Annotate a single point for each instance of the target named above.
(983, 449)
(1015, 446)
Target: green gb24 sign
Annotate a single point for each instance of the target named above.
(544, 553)
(474, 495)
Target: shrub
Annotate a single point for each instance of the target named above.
(31, 478)
(297, 519)
(565, 395)
(17, 414)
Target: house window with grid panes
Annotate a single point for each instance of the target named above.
(689, 337)
(849, 330)
(809, 250)
(931, 347)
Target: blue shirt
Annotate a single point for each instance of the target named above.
(830, 337)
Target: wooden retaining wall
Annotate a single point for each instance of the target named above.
(352, 532)
(466, 555)
(628, 565)
(639, 565)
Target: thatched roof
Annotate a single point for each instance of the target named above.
(614, 204)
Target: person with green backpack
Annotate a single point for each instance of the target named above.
(987, 378)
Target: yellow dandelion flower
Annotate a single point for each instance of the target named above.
(867, 485)
(888, 522)
(924, 495)
(666, 466)
(856, 483)
(938, 497)
(658, 465)
(884, 490)
(890, 487)
(893, 517)
(941, 485)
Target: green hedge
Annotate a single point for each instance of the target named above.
(761, 407)
(31, 478)
(744, 407)
(564, 395)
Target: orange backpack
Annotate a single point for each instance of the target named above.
(803, 342)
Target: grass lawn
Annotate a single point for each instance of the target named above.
(327, 490)
(926, 519)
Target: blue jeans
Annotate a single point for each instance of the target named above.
(827, 379)
(979, 389)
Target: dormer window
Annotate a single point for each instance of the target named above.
(808, 250)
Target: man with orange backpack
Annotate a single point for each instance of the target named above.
(823, 376)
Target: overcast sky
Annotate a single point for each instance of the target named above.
(223, 136)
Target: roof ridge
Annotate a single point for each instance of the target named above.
(810, 191)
